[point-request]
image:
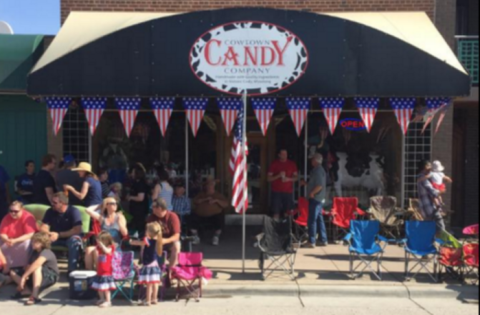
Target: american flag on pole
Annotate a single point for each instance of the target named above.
(128, 107)
(332, 109)
(239, 166)
(195, 108)
(58, 107)
(403, 108)
(94, 108)
(434, 105)
(163, 109)
(298, 108)
(264, 108)
(368, 108)
(229, 108)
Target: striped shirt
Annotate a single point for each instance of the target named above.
(181, 205)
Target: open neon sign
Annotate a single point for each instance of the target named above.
(353, 124)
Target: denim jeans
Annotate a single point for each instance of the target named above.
(316, 223)
(74, 245)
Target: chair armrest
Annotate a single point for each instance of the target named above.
(384, 239)
(361, 212)
(402, 241)
(442, 242)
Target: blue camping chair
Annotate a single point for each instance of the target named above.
(420, 247)
(364, 242)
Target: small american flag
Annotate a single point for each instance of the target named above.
(195, 108)
(298, 108)
(128, 108)
(94, 108)
(229, 108)
(239, 166)
(163, 109)
(332, 109)
(264, 108)
(58, 107)
(403, 108)
(434, 106)
(368, 108)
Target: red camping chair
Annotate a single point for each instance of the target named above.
(470, 260)
(343, 212)
(301, 222)
(188, 271)
(451, 263)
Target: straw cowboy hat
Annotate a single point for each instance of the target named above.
(438, 167)
(84, 167)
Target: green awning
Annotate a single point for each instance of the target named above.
(18, 55)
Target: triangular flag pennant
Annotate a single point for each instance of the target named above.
(128, 107)
(94, 108)
(264, 108)
(58, 107)
(195, 108)
(229, 108)
(163, 109)
(443, 112)
(403, 108)
(332, 109)
(434, 105)
(368, 108)
(298, 108)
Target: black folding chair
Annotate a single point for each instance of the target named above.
(276, 246)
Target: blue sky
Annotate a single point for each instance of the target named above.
(31, 16)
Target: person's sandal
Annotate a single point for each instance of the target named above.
(145, 303)
(99, 302)
(105, 305)
(33, 301)
(18, 296)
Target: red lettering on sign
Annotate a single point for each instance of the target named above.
(280, 51)
(231, 55)
(207, 52)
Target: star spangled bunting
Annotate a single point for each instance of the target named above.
(403, 108)
(128, 108)
(434, 105)
(368, 108)
(94, 108)
(264, 108)
(195, 108)
(229, 108)
(332, 109)
(238, 165)
(58, 107)
(442, 112)
(298, 108)
(163, 109)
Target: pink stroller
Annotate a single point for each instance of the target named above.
(188, 272)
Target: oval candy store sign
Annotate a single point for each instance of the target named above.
(254, 57)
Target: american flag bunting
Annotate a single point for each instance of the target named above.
(264, 108)
(195, 108)
(403, 108)
(368, 108)
(163, 109)
(229, 108)
(94, 108)
(332, 109)
(58, 107)
(298, 108)
(239, 167)
(434, 105)
(128, 108)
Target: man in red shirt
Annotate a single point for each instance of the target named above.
(16, 231)
(171, 229)
(283, 173)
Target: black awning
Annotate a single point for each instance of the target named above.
(150, 54)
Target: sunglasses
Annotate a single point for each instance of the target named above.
(14, 211)
(112, 204)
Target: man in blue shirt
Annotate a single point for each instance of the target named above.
(63, 223)
(24, 183)
(4, 194)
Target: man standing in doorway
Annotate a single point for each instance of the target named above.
(316, 189)
(44, 184)
(282, 174)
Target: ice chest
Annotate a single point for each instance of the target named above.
(81, 285)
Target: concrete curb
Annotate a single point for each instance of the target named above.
(457, 292)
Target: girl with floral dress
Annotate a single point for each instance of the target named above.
(103, 282)
(150, 274)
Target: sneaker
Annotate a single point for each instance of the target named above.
(309, 246)
(196, 240)
(323, 244)
(216, 241)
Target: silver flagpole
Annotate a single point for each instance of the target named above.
(244, 214)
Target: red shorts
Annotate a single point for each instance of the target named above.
(441, 187)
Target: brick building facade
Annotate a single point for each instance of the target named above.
(442, 13)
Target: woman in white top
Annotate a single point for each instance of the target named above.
(163, 189)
